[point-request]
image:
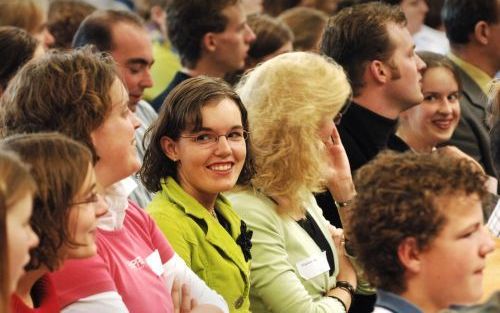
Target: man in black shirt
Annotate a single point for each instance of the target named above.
(375, 48)
(212, 38)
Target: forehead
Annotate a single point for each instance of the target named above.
(399, 37)
(234, 14)
(459, 209)
(130, 42)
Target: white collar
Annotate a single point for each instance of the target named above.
(116, 197)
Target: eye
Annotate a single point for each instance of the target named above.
(205, 138)
(430, 98)
(93, 197)
(453, 97)
(235, 135)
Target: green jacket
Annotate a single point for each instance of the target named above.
(206, 247)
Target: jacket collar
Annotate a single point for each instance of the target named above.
(215, 234)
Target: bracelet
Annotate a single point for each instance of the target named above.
(344, 285)
(339, 300)
(343, 204)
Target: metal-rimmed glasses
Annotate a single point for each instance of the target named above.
(209, 139)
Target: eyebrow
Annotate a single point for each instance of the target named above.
(210, 129)
(140, 61)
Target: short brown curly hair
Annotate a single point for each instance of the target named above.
(67, 92)
(397, 200)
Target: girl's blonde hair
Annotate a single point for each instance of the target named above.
(288, 99)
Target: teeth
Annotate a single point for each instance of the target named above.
(442, 124)
(221, 167)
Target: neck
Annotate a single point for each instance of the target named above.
(476, 57)
(422, 301)
(372, 100)
(27, 282)
(204, 67)
(416, 144)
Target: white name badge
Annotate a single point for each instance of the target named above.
(313, 266)
(154, 262)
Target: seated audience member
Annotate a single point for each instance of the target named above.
(64, 19)
(272, 38)
(414, 10)
(432, 36)
(473, 29)
(199, 148)
(494, 220)
(423, 127)
(65, 209)
(307, 26)
(16, 235)
(424, 245)
(30, 15)
(167, 62)
(252, 6)
(292, 100)
(16, 48)
(275, 7)
(216, 45)
(123, 35)
(79, 93)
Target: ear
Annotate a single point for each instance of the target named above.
(379, 71)
(209, 42)
(169, 147)
(409, 255)
(482, 32)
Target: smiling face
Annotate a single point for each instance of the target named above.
(114, 140)
(434, 120)
(205, 171)
(87, 207)
(20, 237)
(452, 267)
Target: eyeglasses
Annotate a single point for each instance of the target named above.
(93, 198)
(342, 112)
(207, 139)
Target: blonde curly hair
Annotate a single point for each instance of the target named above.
(289, 98)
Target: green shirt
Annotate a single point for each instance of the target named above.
(206, 247)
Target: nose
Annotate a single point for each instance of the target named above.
(488, 245)
(424, 7)
(223, 148)
(134, 120)
(249, 34)
(445, 106)
(33, 239)
(420, 63)
(147, 79)
(100, 207)
(48, 39)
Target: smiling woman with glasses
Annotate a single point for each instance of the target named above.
(198, 148)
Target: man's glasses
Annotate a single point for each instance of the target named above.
(208, 139)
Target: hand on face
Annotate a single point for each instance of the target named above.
(337, 170)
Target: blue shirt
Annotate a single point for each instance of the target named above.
(394, 303)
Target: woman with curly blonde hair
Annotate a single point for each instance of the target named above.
(292, 101)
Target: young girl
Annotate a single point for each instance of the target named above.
(64, 213)
(16, 235)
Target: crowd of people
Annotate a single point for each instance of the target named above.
(281, 156)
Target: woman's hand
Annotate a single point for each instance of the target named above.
(338, 172)
(181, 298)
(346, 269)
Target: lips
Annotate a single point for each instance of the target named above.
(221, 167)
(443, 124)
